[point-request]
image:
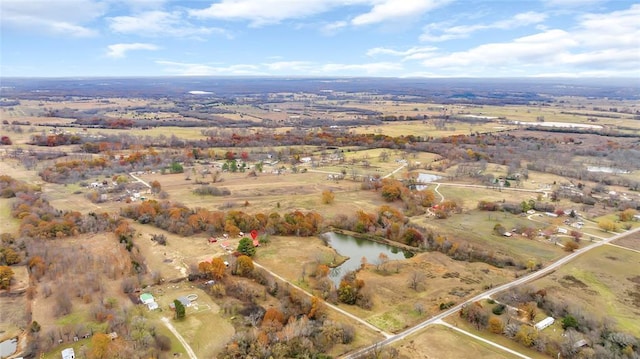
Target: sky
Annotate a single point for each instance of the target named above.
(318, 38)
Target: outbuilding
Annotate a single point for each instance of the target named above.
(68, 353)
(544, 323)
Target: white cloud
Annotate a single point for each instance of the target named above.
(263, 12)
(436, 32)
(160, 23)
(190, 69)
(571, 3)
(289, 66)
(598, 45)
(334, 27)
(120, 50)
(303, 68)
(413, 53)
(395, 9)
(374, 68)
(64, 17)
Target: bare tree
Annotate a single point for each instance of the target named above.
(416, 279)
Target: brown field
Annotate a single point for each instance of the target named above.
(632, 241)
(496, 338)
(444, 343)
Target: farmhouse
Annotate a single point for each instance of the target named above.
(184, 300)
(544, 323)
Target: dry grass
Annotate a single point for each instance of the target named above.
(604, 285)
(445, 343)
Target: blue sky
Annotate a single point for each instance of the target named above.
(398, 38)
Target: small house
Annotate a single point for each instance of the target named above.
(544, 323)
(68, 353)
(146, 298)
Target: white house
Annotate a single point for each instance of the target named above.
(544, 323)
(68, 353)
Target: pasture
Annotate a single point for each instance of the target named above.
(600, 279)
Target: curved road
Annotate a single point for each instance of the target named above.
(172, 329)
(552, 267)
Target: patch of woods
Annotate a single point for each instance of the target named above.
(585, 335)
(178, 218)
(297, 326)
(72, 275)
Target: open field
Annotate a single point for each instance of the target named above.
(441, 342)
(632, 242)
(496, 338)
(600, 279)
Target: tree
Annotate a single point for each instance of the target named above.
(526, 335)
(627, 214)
(607, 225)
(416, 278)
(496, 325)
(328, 196)
(218, 268)
(577, 235)
(99, 346)
(156, 187)
(530, 310)
(176, 167)
(244, 266)
(6, 274)
(180, 310)
(569, 322)
(246, 247)
(570, 246)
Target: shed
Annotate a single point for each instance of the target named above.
(544, 323)
(68, 353)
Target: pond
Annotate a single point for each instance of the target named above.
(355, 249)
(424, 178)
(8, 347)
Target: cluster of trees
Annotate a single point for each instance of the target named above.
(38, 219)
(603, 338)
(177, 218)
(353, 291)
(77, 169)
(52, 140)
(515, 207)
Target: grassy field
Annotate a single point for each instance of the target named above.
(394, 302)
(444, 343)
(603, 280)
(632, 242)
(496, 338)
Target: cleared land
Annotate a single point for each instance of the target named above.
(600, 279)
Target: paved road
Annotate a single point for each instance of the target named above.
(552, 267)
(334, 307)
(440, 322)
(172, 329)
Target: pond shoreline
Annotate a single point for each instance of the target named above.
(372, 238)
